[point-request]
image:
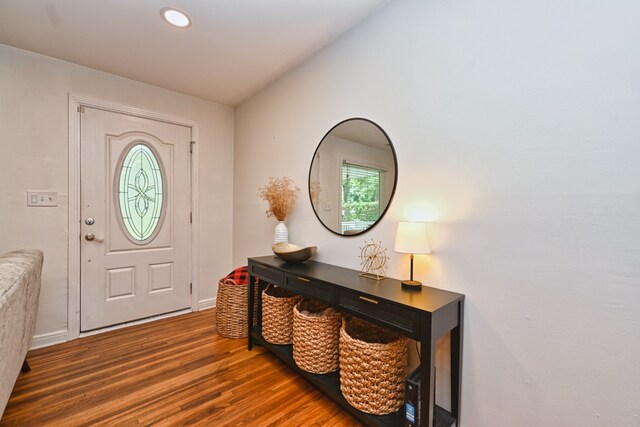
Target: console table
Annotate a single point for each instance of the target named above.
(424, 316)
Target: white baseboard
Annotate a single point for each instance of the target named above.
(50, 338)
(206, 304)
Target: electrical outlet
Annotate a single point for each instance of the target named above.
(42, 198)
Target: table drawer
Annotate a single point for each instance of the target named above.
(309, 288)
(384, 313)
(268, 274)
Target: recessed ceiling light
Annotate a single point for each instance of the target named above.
(175, 17)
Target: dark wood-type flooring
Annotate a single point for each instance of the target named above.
(174, 371)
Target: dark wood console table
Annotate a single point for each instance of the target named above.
(424, 316)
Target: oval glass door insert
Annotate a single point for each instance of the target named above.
(140, 193)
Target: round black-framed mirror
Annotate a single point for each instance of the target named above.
(353, 177)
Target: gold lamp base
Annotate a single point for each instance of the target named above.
(413, 285)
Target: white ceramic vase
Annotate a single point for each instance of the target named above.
(281, 234)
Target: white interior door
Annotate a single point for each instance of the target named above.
(135, 210)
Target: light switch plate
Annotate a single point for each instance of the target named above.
(42, 198)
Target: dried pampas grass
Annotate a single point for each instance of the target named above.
(281, 194)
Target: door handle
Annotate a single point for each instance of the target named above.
(91, 237)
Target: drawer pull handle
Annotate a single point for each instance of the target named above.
(372, 301)
(304, 279)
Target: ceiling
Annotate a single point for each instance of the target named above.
(233, 49)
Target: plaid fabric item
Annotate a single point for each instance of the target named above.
(240, 275)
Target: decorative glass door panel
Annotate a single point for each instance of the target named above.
(140, 193)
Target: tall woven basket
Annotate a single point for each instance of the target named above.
(316, 333)
(231, 309)
(373, 362)
(277, 314)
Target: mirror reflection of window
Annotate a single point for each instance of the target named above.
(363, 189)
(352, 177)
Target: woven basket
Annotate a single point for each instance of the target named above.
(373, 362)
(277, 315)
(316, 334)
(231, 309)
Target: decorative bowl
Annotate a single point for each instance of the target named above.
(293, 253)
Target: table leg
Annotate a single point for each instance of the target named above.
(456, 364)
(427, 369)
(252, 286)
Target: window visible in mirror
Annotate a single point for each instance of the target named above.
(352, 177)
(364, 190)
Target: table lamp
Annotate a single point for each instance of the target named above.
(412, 238)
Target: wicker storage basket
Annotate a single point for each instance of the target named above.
(277, 314)
(231, 309)
(373, 362)
(316, 333)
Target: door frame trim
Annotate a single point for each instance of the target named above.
(75, 102)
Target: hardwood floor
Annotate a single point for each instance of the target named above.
(175, 371)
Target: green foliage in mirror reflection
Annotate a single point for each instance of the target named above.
(140, 192)
(361, 190)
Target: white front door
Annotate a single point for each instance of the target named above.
(135, 209)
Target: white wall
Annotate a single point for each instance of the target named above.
(517, 129)
(34, 155)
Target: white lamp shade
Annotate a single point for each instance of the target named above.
(412, 238)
